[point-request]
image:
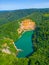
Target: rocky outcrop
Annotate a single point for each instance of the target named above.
(26, 25)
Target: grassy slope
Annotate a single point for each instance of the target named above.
(40, 40)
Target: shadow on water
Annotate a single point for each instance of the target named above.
(32, 47)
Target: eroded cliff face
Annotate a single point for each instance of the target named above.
(26, 25)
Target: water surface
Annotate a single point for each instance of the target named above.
(25, 43)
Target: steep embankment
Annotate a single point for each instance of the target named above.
(26, 25)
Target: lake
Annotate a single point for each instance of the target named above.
(25, 44)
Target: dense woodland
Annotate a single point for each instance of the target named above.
(9, 22)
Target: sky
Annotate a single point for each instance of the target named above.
(23, 4)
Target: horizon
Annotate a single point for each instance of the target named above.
(24, 9)
(21, 4)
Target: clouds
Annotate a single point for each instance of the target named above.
(23, 4)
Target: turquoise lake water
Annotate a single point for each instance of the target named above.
(25, 43)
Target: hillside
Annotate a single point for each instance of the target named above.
(9, 16)
(40, 39)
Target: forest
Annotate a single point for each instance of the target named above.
(9, 23)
